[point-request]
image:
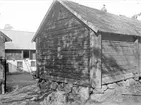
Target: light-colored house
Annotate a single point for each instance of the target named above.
(20, 53)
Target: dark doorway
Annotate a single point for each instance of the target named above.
(26, 54)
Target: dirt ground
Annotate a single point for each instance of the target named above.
(25, 92)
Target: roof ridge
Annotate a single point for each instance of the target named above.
(17, 30)
(79, 16)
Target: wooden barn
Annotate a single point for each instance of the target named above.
(3, 39)
(86, 46)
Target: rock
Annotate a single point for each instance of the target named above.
(102, 97)
(104, 87)
(54, 85)
(122, 84)
(129, 82)
(75, 90)
(61, 87)
(112, 86)
(101, 90)
(23, 103)
(68, 87)
(84, 93)
(96, 97)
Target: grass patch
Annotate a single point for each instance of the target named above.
(20, 79)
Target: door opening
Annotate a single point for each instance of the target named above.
(25, 54)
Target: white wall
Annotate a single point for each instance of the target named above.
(12, 65)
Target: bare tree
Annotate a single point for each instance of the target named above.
(8, 27)
(136, 16)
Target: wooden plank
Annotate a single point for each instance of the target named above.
(120, 56)
(95, 60)
(137, 56)
(116, 78)
(62, 24)
(140, 56)
(82, 82)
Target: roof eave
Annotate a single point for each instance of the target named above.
(89, 24)
(7, 39)
(42, 23)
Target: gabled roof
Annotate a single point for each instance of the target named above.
(98, 20)
(20, 40)
(7, 39)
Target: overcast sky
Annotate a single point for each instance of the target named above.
(26, 15)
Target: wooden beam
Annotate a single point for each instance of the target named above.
(95, 60)
(109, 79)
(137, 56)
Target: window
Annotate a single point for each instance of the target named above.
(33, 63)
(19, 65)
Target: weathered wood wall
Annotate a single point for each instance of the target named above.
(63, 48)
(2, 66)
(13, 55)
(119, 57)
(2, 55)
(18, 54)
(2, 47)
(68, 50)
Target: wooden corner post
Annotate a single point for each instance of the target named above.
(137, 57)
(95, 60)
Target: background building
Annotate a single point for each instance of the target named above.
(20, 53)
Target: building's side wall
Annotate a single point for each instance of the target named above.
(33, 54)
(62, 47)
(2, 66)
(13, 54)
(15, 57)
(2, 55)
(2, 47)
(139, 52)
(119, 59)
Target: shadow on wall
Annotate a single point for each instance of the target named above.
(110, 65)
(12, 67)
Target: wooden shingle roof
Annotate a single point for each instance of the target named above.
(101, 21)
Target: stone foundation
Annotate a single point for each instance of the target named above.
(70, 93)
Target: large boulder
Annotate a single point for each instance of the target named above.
(102, 97)
(55, 98)
(100, 90)
(129, 82)
(84, 93)
(112, 86)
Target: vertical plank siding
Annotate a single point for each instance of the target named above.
(2, 47)
(119, 57)
(2, 66)
(62, 48)
(13, 55)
